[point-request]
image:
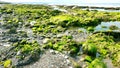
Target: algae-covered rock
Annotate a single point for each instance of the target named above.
(90, 49)
(65, 20)
(88, 59)
(8, 64)
(64, 44)
(90, 28)
(97, 63)
(22, 53)
(116, 59)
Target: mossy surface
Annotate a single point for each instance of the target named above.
(46, 22)
(103, 44)
(8, 64)
(64, 44)
(97, 63)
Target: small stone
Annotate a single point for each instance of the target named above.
(7, 45)
(66, 57)
(18, 53)
(82, 59)
(68, 61)
(59, 35)
(52, 65)
(20, 23)
(52, 26)
(45, 40)
(84, 66)
(56, 52)
(51, 51)
(32, 23)
(71, 67)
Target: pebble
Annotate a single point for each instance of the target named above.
(45, 40)
(18, 53)
(82, 59)
(71, 67)
(84, 66)
(60, 35)
(7, 45)
(56, 52)
(32, 23)
(68, 61)
(66, 57)
(51, 51)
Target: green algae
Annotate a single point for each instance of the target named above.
(54, 21)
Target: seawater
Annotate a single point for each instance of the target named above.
(78, 4)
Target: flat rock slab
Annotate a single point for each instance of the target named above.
(51, 59)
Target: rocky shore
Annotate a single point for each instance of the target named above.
(45, 37)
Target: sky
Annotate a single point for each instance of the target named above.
(71, 1)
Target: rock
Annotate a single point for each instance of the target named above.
(13, 39)
(49, 60)
(18, 53)
(46, 40)
(51, 51)
(68, 61)
(56, 52)
(32, 23)
(84, 66)
(6, 44)
(82, 59)
(66, 57)
(28, 59)
(70, 67)
(60, 35)
(52, 26)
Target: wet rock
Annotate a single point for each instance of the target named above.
(13, 39)
(49, 60)
(28, 60)
(7, 53)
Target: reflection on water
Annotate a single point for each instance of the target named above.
(105, 26)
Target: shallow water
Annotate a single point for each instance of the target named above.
(104, 26)
(59, 2)
(102, 10)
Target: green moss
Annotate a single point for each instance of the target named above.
(12, 30)
(104, 26)
(8, 64)
(90, 49)
(51, 22)
(27, 48)
(65, 20)
(106, 46)
(88, 59)
(64, 44)
(116, 59)
(97, 63)
(90, 28)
